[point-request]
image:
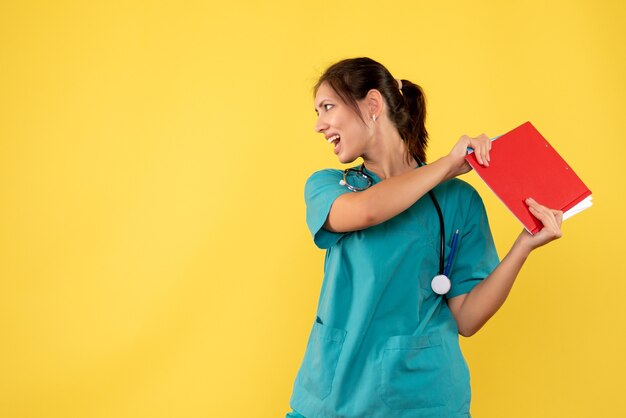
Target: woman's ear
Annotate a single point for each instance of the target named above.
(374, 102)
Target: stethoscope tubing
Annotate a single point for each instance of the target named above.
(442, 231)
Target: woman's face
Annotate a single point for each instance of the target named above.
(341, 126)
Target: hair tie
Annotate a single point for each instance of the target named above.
(399, 85)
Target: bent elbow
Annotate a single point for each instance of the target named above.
(468, 331)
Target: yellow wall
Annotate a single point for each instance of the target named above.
(154, 259)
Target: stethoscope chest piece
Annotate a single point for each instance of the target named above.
(440, 284)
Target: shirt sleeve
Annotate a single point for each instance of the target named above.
(320, 192)
(476, 252)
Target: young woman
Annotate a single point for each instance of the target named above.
(385, 339)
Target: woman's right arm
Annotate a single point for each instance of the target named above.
(392, 196)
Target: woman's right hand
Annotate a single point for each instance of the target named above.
(551, 230)
(481, 146)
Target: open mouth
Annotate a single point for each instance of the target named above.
(334, 140)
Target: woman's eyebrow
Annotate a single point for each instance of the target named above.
(320, 104)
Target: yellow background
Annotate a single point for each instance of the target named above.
(154, 258)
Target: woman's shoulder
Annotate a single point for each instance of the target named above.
(324, 182)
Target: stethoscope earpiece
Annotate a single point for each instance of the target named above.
(361, 174)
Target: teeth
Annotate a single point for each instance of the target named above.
(333, 138)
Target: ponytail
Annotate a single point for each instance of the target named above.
(413, 131)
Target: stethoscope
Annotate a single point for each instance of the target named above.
(440, 283)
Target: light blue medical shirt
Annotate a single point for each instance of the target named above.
(383, 344)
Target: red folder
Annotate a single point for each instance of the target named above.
(523, 164)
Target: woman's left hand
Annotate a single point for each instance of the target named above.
(551, 220)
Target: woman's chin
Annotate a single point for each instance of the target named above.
(344, 159)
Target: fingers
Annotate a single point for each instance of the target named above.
(550, 218)
(557, 215)
(481, 146)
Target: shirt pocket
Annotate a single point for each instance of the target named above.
(320, 359)
(415, 372)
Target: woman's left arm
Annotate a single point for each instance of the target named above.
(472, 310)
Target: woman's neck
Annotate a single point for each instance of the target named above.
(386, 157)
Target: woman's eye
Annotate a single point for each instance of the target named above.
(326, 107)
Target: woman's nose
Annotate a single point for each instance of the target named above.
(320, 125)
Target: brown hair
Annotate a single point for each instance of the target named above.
(352, 78)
